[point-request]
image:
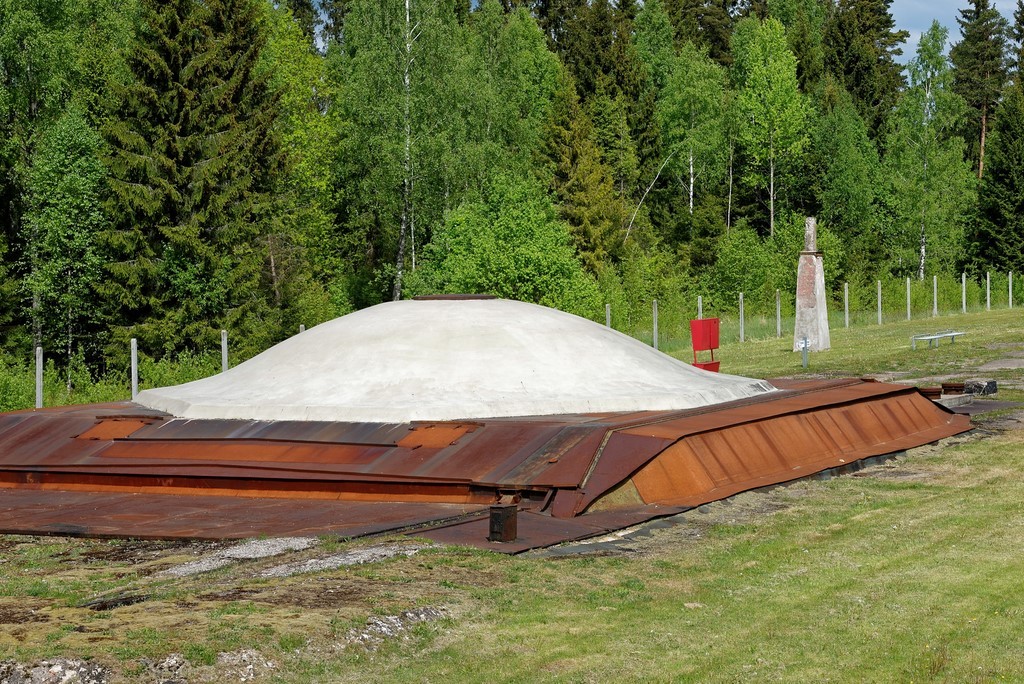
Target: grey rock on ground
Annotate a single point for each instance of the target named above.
(54, 671)
(354, 557)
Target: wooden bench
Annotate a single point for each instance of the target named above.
(933, 338)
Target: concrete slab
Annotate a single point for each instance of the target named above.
(451, 360)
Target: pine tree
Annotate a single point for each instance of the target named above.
(980, 71)
(571, 165)
(705, 23)
(192, 161)
(861, 47)
(1016, 36)
(996, 236)
(306, 16)
(804, 21)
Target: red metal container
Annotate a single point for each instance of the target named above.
(704, 332)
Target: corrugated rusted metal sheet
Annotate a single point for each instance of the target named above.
(570, 473)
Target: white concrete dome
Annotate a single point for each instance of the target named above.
(441, 359)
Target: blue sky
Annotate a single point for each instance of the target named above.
(916, 16)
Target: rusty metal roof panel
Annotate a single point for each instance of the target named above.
(165, 516)
(561, 465)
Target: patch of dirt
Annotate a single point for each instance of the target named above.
(133, 551)
(22, 614)
(325, 595)
(235, 594)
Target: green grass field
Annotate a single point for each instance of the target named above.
(908, 571)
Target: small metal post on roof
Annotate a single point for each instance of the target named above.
(607, 315)
(135, 368)
(846, 303)
(963, 291)
(655, 315)
(223, 350)
(503, 523)
(39, 377)
(778, 313)
(988, 290)
(908, 299)
(302, 328)
(741, 318)
(879, 302)
(700, 307)
(935, 296)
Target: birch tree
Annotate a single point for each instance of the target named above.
(691, 112)
(930, 184)
(774, 114)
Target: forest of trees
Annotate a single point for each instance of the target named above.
(169, 168)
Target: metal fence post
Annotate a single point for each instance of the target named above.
(741, 318)
(607, 315)
(778, 313)
(700, 307)
(655, 315)
(879, 302)
(302, 328)
(39, 377)
(988, 290)
(223, 350)
(1010, 290)
(135, 368)
(963, 291)
(846, 303)
(935, 296)
(908, 299)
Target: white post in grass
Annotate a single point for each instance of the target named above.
(39, 377)
(963, 292)
(135, 368)
(607, 315)
(846, 303)
(1010, 290)
(655, 314)
(988, 290)
(778, 313)
(700, 307)
(879, 302)
(223, 350)
(908, 299)
(741, 318)
(935, 296)
(302, 328)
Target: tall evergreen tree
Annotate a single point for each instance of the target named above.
(861, 47)
(804, 21)
(1016, 35)
(705, 23)
(192, 162)
(980, 71)
(306, 15)
(583, 185)
(996, 236)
